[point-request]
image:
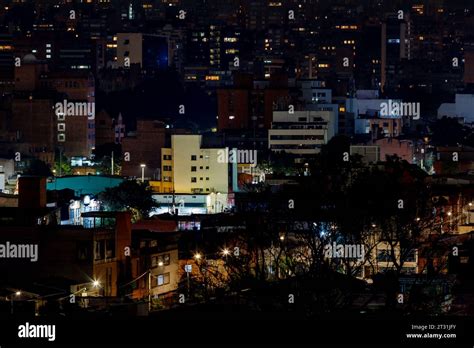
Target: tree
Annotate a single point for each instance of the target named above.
(62, 164)
(129, 195)
(103, 158)
(449, 132)
(279, 164)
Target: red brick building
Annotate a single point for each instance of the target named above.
(144, 147)
(251, 103)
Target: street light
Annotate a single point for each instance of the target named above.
(469, 213)
(225, 252)
(95, 284)
(218, 203)
(17, 293)
(143, 171)
(197, 256)
(450, 221)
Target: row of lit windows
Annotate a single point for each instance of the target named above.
(346, 27)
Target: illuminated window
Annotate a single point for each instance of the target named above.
(163, 279)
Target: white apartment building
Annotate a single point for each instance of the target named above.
(197, 179)
(196, 169)
(301, 132)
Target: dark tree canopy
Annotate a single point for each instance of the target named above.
(129, 195)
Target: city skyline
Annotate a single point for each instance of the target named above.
(239, 159)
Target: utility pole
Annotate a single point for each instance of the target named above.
(187, 276)
(60, 162)
(112, 164)
(149, 291)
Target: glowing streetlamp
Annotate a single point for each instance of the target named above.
(469, 213)
(17, 293)
(143, 171)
